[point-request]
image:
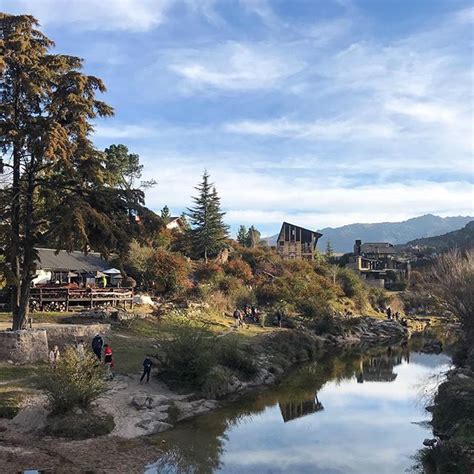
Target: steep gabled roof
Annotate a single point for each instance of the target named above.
(317, 234)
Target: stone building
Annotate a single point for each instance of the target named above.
(373, 261)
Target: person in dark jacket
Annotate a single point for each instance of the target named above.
(147, 364)
(97, 344)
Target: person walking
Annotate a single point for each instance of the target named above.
(279, 318)
(108, 361)
(97, 344)
(147, 364)
(54, 357)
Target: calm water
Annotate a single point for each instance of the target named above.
(346, 414)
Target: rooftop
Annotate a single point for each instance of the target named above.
(50, 259)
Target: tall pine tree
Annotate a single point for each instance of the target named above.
(208, 230)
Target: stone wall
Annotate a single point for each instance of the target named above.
(63, 334)
(24, 347)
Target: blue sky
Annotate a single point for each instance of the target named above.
(320, 112)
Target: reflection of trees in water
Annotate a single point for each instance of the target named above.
(196, 446)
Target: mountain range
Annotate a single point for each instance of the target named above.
(342, 238)
(462, 239)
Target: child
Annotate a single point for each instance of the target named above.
(54, 357)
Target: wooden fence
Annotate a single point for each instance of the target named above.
(88, 297)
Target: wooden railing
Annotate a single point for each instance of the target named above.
(84, 297)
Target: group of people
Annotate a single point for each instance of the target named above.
(396, 317)
(104, 354)
(98, 346)
(249, 314)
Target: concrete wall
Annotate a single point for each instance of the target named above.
(63, 334)
(24, 347)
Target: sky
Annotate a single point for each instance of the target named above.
(317, 112)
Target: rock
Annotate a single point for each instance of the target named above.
(143, 299)
(152, 426)
(142, 402)
(430, 442)
(78, 411)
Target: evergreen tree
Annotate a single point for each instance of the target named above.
(242, 236)
(57, 183)
(208, 231)
(253, 237)
(329, 250)
(165, 215)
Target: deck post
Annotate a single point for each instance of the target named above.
(67, 299)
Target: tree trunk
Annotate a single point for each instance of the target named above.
(14, 250)
(29, 255)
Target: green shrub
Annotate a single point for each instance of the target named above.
(76, 382)
(378, 298)
(232, 354)
(324, 325)
(314, 307)
(215, 385)
(350, 283)
(187, 356)
(79, 426)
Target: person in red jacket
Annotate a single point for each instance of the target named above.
(108, 360)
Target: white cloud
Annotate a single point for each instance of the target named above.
(423, 111)
(234, 66)
(320, 129)
(93, 14)
(124, 131)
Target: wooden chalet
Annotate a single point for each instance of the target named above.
(297, 242)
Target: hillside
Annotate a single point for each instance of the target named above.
(342, 238)
(462, 239)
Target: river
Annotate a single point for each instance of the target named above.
(359, 414)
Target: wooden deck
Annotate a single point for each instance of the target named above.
(82, 297)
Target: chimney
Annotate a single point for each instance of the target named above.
(357, 246)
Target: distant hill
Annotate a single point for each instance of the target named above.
(342, 238)
(462, 239)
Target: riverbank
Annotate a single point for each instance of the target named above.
(452, 449)
(141, 410)
(355, 382)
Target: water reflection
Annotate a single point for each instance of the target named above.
(338, 425)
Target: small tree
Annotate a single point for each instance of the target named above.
(329, 251)
(242, 236)
(207, 220)
(165, 215)
(253, 237)
(76, 382)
